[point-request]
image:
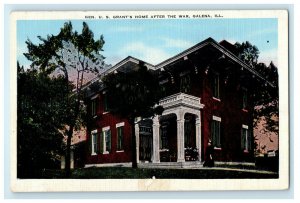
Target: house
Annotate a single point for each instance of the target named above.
(207, 96)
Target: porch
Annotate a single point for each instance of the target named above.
(172, 139)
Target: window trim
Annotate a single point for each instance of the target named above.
(119, 125)
(105, 129)
(94, 151)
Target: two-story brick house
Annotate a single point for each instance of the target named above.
(207, 96)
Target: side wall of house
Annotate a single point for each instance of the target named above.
(228, 107)
(104, 120)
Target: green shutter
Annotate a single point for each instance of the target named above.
(90, 143)
(97, 143)
(108, 141)
(249, 140)
(243, 139)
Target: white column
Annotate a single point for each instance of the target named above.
(198, 136)
(180, 138)
(137, 138)
(155, 152)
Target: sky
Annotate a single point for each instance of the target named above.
(156, 40)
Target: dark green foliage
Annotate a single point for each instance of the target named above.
(41, 112)
(266, 96)
(247, 52)
(133, 94)
(71, 53)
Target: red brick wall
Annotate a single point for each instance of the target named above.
(104, 120)
(229, 109)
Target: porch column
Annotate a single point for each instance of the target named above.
(137, 138)
(180, 139)
(198, 136)
(155, 152)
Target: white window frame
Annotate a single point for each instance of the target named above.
(118, 125)
(94, 152)
(104, 129)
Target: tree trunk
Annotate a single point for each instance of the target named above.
(68, 153)
(133, 140)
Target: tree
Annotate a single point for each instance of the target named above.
(133, 94)
(67, 52)
(41, 114)
(247, 52)
(266, 97)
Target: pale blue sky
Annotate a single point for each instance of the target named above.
(156, 40)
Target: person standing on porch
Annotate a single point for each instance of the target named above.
(209, 159)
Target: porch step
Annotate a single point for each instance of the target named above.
(188, 164)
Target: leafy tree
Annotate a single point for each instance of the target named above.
(247, 52)
(41, 114)
(266, 97)
(69, 52)
(133, 94)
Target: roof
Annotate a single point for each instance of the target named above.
(226, 52)
(208, 41)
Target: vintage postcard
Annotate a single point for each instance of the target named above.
(149, 100)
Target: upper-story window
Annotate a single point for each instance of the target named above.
(244, 98)
(93, 107)
(216, 131)
(215, 83)
(105, 103)
(185, 83)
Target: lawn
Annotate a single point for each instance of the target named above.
(140, 173)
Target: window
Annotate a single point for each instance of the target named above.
(94, 144)
(215, 86)
(106, 134)
(120, 136)
(106, 103)
(216, 132)
(93, 107)
(245, 138)
(244, 98)
(163, 144)
(185, 84)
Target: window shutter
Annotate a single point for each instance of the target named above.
(243, 139)
(101, 142)
(249, 140)
(108, 141)
(90, 143)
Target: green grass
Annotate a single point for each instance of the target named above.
(139, 173)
